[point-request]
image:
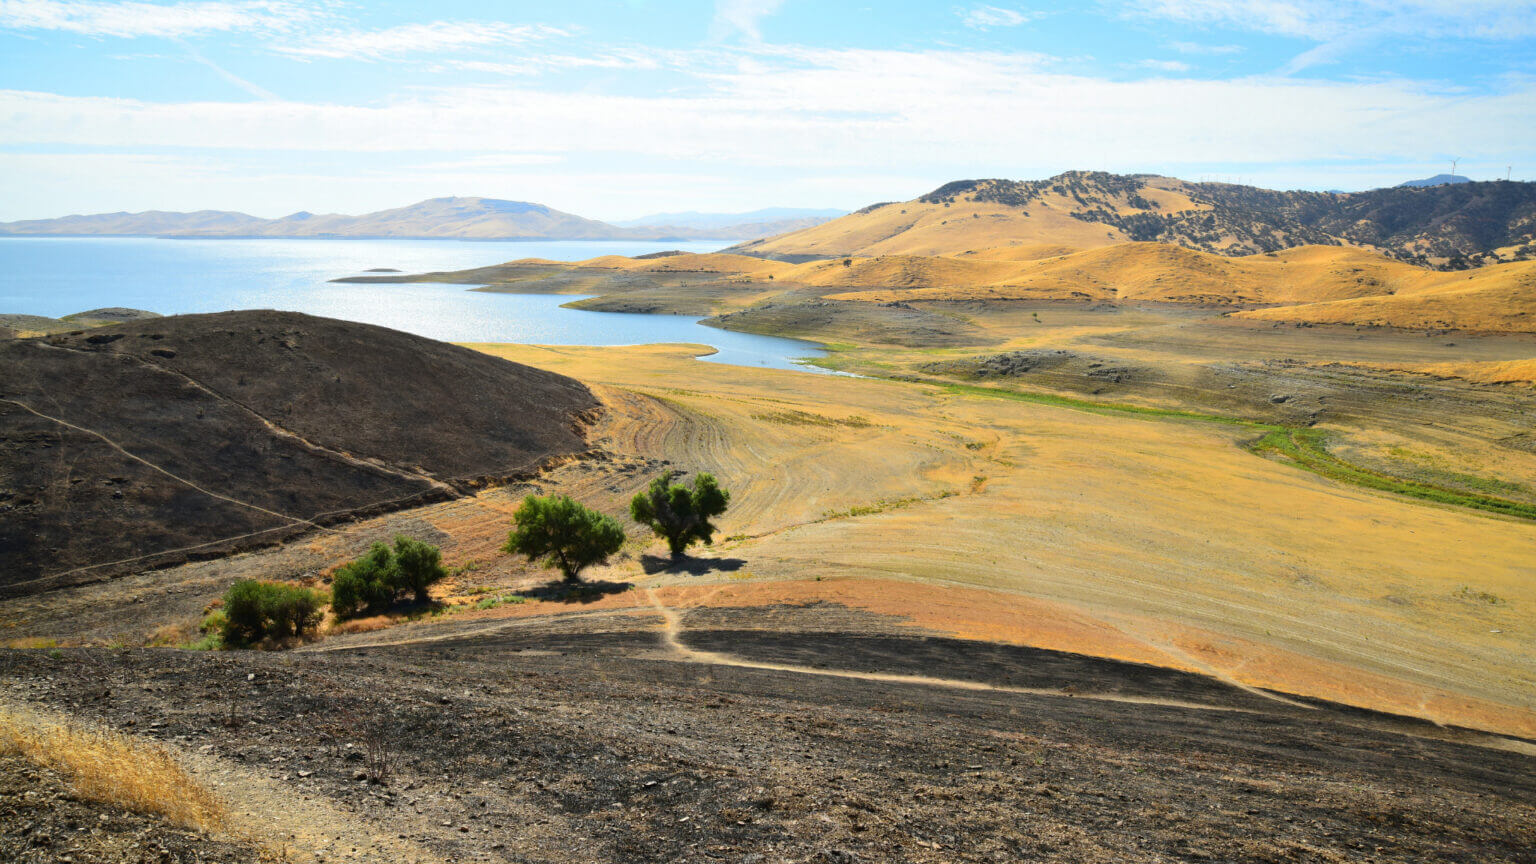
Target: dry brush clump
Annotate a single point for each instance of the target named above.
(112, 768)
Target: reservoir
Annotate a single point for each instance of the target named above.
(57, 276)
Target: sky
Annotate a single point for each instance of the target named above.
(613, 110)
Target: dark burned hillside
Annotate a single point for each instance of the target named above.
(1461, 224)
(154, 441)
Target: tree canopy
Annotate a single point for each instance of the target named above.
(680, 514)
(383, 574)
(564, 533)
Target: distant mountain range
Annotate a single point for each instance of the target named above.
(756, 223)
(458, 218)
(1449, 225)
(1437, 180)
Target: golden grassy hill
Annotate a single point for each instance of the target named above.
(1499, 298)
(917, 228)
(1442, 226)
(1129, 271)
(1486, 372)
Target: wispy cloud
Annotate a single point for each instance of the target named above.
(987, 17)
(1164, 65)
(1322, 20)
(744, 17)
(1201, 48)
(427, 38)
(852, 110)
(255, 90)
(535, 64)
(133, 19)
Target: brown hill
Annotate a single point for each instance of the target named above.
(152, 441)
(1501, 298)
(1451, 226)
(1130, 271)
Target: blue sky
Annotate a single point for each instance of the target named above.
(617, 109)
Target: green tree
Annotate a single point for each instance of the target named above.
(254, 611)
(367, 583)
(679, 514)
(242, 623)
(564, 533)
(417, 566)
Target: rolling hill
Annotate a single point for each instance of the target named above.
(1450, 226)
(152, 441)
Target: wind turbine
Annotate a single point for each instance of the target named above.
(1453, 166)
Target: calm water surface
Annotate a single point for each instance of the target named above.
(56, 276)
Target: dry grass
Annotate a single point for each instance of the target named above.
(361, 625)
(170, 635)
(32, 643)
(1155, 529)
(112, 768)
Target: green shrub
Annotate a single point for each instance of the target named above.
(367, 583)
(376, 580)
(255, 611)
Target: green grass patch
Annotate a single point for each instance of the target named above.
(1307, 448)
(885, 504)
(1092, 407)
(503, 600)
(805, 418)
(1468, 593)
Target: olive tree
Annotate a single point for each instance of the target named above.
(564, 533)
(680, 514)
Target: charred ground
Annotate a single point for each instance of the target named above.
(153, 441)
(584, 738)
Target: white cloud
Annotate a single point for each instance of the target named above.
(427, 38)
(536, 64)
(986, 17)
(742, 16)
(128, 20)
(1199, 48)
(949, 112)
(1165, 65)
(1322, 20)
(763, 122)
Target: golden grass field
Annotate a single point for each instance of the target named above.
(1141, 538)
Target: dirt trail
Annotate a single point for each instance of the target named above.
(672, 638)
(178, 478)
(364, 462)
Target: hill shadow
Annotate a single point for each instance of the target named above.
(653, 564)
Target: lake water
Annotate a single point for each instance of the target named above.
(57, 276)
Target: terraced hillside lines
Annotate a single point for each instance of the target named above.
(1169, 531)
(152, 441)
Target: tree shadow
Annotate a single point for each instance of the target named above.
(561, 591)
(653, 564)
